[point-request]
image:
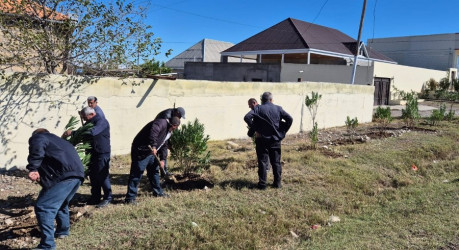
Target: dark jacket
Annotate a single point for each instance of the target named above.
(100, 133)
(99, 111)
(269, 121)
(54, 158)
(152, 134)
(165, 114)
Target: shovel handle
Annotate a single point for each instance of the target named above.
(159, 161)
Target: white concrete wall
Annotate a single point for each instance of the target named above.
(326, 73)
(49, 102)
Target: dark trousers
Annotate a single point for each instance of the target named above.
(52, 204)
(268, 151)
(138, 166)
(99, 176)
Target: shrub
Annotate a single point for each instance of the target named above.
(313, 104)
(314, 135)
(450, 114)
(444, 83)
(437, 115)
(188, 147)
(432, 84)
(351, 125)
(80, 139)
(382, 116)
(455, 83)
(411, 114)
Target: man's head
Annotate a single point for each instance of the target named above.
(266, 97)
(87, 113)
(174, 122)
(92, 101)
(179, 112)
(252, 103)
(39, 131)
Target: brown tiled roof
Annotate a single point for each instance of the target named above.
(30, 8)
(293, 34)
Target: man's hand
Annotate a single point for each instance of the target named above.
(67, 133)
(34, 176)
(154, 151)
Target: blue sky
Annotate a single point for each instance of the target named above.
(182, 23)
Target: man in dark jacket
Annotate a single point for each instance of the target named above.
(100, 158)
(149, 145)
(92, 102)
(54, 163)
(169, 113)
(269, 123)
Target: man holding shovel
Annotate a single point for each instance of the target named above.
(149, 151)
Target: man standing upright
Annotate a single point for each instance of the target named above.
(149, 151)
(270, 123)
(92, 102)
(54, 163)
(99, 166)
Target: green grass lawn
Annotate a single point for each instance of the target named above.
(381, 202)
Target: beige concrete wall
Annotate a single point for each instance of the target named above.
(406, 78)
(326, 73)
(30, 103)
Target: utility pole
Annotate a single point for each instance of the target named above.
(354, 68)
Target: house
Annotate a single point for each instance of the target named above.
(206, 50)
(290, 42)
(295, 51)
(23, 21)
(296, 41)
(440, 52)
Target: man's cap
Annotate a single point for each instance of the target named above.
(181, 111)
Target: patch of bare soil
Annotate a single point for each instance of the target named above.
(328, 138)
(188, 182)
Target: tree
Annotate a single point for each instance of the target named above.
(52, 35)
(153, 67)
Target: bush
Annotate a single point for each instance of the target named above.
(432, 84)
(351, 125)
(455, 84)
(444, 83)
(314, 135)
(188, 147)
(313, 104)
(80, 139)
(437, 115)
(382, 116)
(411, 114)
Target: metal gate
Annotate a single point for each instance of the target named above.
(382, 91)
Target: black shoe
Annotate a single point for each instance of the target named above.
(130, 202)
(103, 204)
(92, 201)
(277, 185)
(261, 187)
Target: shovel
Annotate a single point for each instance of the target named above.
(167, 176)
